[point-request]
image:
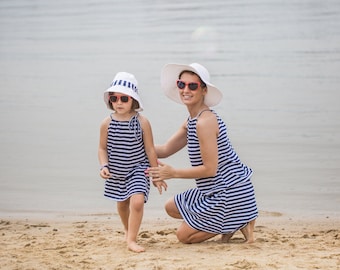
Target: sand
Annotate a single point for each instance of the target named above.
(96, 242)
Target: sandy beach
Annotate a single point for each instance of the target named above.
(96, 242)
(277, 63)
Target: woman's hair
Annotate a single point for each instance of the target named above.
(193, 73)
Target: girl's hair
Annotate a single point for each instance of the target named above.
(193, 73)
(135, 104)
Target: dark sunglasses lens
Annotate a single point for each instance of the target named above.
(124, 99)
(193, 86)
(113, 98)
(180, 84)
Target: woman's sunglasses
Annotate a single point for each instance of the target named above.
(191, 85)
(116, 98)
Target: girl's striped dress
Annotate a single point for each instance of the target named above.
(224, 203)
(127, 160)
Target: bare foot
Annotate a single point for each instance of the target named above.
(248, 232)
(133, 246)
(226, 237)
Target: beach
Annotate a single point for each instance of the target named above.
(97, 242)
(277, 64)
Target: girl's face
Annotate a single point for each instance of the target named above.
(190, 89)
(121, 104)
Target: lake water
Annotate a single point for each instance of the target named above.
(277, 62)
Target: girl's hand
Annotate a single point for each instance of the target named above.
(104, 173)
(160, 185)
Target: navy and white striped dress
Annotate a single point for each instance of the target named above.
(224, 203)
(127, 160)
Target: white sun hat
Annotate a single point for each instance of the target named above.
(170, 75)
(124, 83)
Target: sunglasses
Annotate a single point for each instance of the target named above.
(191, 85)
(116, 98)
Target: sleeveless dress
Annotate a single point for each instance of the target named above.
(127, 160)
(224, 203)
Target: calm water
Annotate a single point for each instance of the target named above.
(277, 62)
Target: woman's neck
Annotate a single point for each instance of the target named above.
(195, 110)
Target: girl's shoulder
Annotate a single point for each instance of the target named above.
(106, 120)
(142, 119)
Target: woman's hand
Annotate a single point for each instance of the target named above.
(160, 173)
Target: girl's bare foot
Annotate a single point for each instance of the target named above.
(248, 232)
(226, 237)
(133, 246)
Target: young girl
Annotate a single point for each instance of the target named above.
(126, 149)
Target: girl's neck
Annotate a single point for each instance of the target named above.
(124, 116)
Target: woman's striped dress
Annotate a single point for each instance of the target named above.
(127, 160)
(224, 203)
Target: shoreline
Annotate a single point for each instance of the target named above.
(96, 241)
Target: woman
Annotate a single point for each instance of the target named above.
(223, 200)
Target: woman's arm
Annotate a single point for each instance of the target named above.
(207, 132)
(175, 143)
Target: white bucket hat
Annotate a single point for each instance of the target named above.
(170, 74)
(124, 83)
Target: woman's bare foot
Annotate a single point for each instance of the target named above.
(226, 237)
(133, 246)
(248, 232)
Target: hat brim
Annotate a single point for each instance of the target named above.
(125, 91)
(169, 76)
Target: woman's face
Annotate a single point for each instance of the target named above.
(189, 96)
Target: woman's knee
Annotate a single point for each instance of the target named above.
(171, 208)
(182, 237)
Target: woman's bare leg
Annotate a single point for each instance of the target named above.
(188, 235)
(248, 232)
(185, 233)
(171, 209)
(226, 237)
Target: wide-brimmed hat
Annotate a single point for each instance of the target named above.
(170, 74)
(124, 83)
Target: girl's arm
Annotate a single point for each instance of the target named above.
(102, 149)
(150, 150)
(207, 132)
(148, 141)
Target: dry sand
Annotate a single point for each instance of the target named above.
(96, 242)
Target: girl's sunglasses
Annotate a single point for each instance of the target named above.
(191, 85)
(116, 98)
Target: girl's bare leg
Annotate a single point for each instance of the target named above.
(135, 220)
(123, 209)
